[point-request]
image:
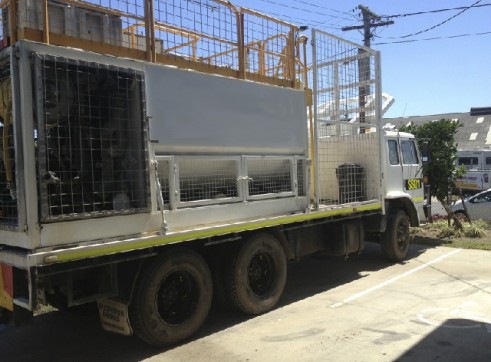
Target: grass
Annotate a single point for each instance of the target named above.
(475, 236)
(44, 308)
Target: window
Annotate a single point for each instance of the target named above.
(470, 161)
(409, 154)
(486, 197)
(488, 161)
(393, 154)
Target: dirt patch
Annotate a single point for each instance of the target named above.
(474, 236)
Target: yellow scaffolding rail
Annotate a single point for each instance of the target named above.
(210, 36)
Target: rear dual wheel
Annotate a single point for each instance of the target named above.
(172, 298)
(254, 277)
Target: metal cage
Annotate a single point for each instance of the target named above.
(90, 137)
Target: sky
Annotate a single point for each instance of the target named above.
(446, 68)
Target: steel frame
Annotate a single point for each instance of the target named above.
(286, 71)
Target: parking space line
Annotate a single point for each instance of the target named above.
(393, 279)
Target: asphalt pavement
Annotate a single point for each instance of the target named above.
(434, 306)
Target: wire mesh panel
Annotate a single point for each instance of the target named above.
(269, 46)
(347, 116)
(204, 31)
(91, 131)
(348, 167)
(207, 180)
(4, 21)
(301, 179)
(164, 175)
(346, 80)
(8, 194)
(99, 21)
(269, 177)
(206, 35)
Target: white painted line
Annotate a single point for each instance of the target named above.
(394, 279)
(480, 120)
(473, 136)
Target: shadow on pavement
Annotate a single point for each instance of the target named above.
(61, 336)
(453, 340)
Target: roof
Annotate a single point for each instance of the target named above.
(475, 134)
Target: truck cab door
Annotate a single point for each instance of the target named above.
(412, 171)
(404, 168)
(394, 177)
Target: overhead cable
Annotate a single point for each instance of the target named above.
(433, 38)
(304, 10)
(439, 24)
(323, 7)
(434, 11)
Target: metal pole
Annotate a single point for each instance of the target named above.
(45, 22)
(150, 30)
(364, 60)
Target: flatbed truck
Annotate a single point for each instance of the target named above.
(160, 154)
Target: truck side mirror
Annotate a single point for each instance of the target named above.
(425, 151)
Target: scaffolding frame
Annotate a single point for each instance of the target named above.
(212, 36)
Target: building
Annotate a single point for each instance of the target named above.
(474, 135)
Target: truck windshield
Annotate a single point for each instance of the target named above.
(409, 154)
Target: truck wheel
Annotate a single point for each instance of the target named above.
(256, 275)
(395, 240)
(172, 298)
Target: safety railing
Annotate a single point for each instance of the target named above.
(210, 36)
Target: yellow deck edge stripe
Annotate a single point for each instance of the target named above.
(64, 255)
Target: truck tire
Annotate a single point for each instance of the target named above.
(395, 240)
(256, 275)
(172, 298)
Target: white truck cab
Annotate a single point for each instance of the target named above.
(403, 172)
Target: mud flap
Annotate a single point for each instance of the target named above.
(114, 317)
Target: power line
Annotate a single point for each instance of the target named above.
(302, 9)
(296, 19)
(434, 11)
(323, 7)
(434, 38)
(439, 24)
(293, 7)
(309, 22)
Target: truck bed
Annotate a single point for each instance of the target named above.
(47, 256)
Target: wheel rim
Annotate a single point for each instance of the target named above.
(177, 297)
(261, 274)
(403, 234)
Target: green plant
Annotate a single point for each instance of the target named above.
(474, 231)
(441, 168)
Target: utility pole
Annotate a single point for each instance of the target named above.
(370, 20)
(368, 16)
